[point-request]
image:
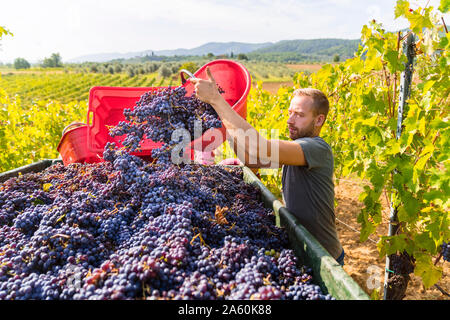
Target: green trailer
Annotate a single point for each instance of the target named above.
(327, 273)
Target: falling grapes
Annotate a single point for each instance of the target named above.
(158, 113)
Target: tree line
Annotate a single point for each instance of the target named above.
(54, 61)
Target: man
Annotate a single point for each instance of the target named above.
(308, 188)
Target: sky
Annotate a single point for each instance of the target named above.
(76, 28)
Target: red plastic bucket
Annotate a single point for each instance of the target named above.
(106, 105)
(235, 79)
(73, 145)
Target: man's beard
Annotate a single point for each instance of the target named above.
(302, 133)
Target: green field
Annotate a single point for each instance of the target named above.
(65, 85)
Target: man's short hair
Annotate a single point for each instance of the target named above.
(321, 105)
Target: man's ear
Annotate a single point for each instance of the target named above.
(320, 119)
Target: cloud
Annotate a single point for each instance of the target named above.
(373, 12)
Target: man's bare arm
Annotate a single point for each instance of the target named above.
(257, 149)
(244, 157)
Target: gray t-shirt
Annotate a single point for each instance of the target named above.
(308, 192)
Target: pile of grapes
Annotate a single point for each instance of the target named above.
(130, 229)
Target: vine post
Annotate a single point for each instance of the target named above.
(405, 90)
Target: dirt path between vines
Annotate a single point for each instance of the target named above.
(362, 258)
(273, 87)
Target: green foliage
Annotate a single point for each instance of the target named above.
(4, 32)
(130, 71)
(93, 68)
(242, 56)
(445, 6)
(117, 68)
(315, 50)
(268, 71)
(29, 133)
(189, 66)
(21, 63)
(165, 71)
(54, 61)
(66, 87)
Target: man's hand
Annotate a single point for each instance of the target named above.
(206, 90)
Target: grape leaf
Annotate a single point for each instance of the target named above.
(445, 6)
(424, 241)
(401, 8)
(394, 62)
(418, 22)
(425, 269)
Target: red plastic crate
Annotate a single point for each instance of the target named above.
(72, 146)
(106, 105)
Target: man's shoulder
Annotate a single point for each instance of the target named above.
(313, 141)
(318, 153)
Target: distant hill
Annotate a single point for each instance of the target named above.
(314, 46)
(104, 57)
(282, 51)
(302, 50)
(216, 48)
